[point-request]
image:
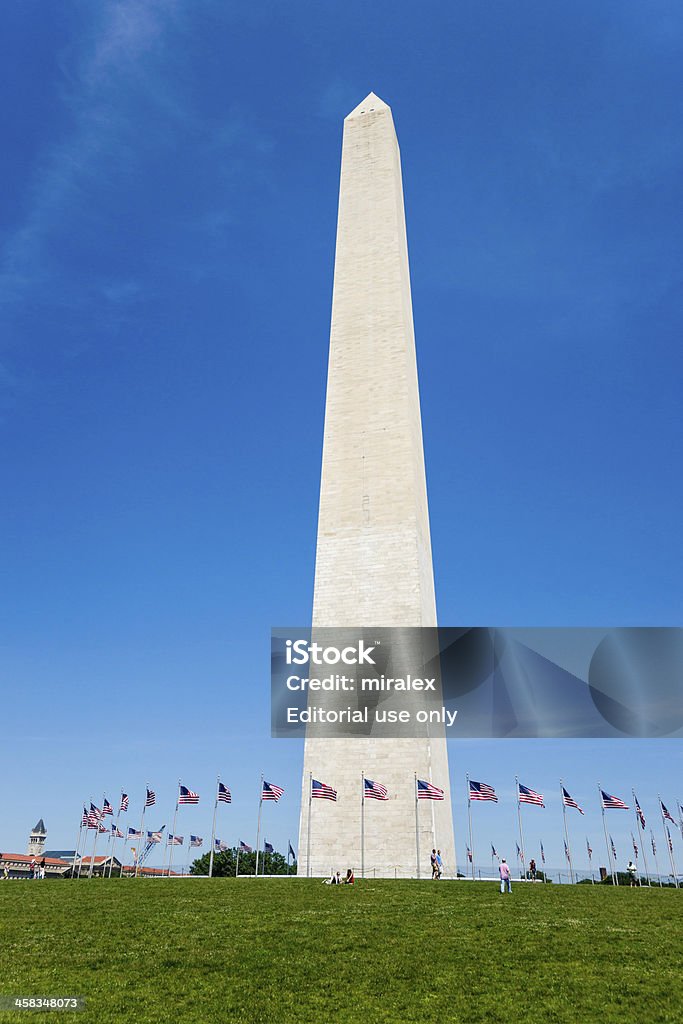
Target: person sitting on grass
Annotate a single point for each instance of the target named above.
(349, 880)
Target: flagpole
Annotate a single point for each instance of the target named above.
(85, 839)
(142, 831)
(113, 845)
(607, 847)
(566, 833)
(667, 839)
(590, 860)
(213, 828)
(521, 833)
(258, 825)
(654, 854)
(94, 845)
(175, 816)
(237, 865)
(362, 824)
(417, 830)
(469, 819)
(308, 834)
(78, 844)
(641, 833)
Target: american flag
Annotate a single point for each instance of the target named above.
(641, 816)
(321, 791)
(175, 840)
(652, 840)
(154, 837)
(186, 796)
(84, 819)
(614, 850)
(134, 833)
(124, 802)
(196, 841)
(224, 794)
(151, 798)
(542, 854)
(519, 853)
(588, 847)
(482, 791)
(374, 790)
(102, 828)
(665, 813)
(635, 845)
(493, 851)
(268, 847)
(569, 801)
(469, 854)
(271, 792)
(528, 796)
(291, 852)
(612, 802)
(245, 848)
(668, 836)
(116, 832)
(107, 808)
(94, 816)
(219, 846)
(426, 791)
(566, 852)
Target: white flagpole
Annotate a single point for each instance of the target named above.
(362, 824)
(237, 863)
(175, 818)
(641, 832)
(213, 829)
(417, 830)
(669, 844)
(566, 833)
(469, 818)
(142, 831)
(654, 854)
(612, 869)
(258, 826)
(115, 837)
(85, 840)
(680, 817)
(308, 836)
(590, 860)
(94, 845)
(78, 844)
(521, 833)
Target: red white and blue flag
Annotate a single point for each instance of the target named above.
(186, 796)
(481, 791)
(245, 848)
(268, 847)
(116, 832)
(102, 828)
(641, 816)
(665, 813)
(566, 852)
(668, 836)
(219, 846)
(271, 792)
(154, 837)
(529, 796)
(612, 803)
(493, 852)
(175, 840)
(107, 808)
(151, 798)
(588, 847)
(542, 854)
(635, 845)
(519, 853)
(94, 816)
(614, 849)
(84, 819)
(224, 794)
(569, 801)
(374, 790)
(426, 791)
(652, 841)
(196, 841)
(469, 854)
(124, 802)
(321, 791)
(134, 833)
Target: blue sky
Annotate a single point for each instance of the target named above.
(167, 219)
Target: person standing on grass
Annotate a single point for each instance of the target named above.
(532, 869)
(632, 870)
(505, 880)
(435, 866)
(439, 864)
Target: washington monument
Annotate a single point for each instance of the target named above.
(373, 558)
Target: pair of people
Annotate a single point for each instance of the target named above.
(336, 879)
(437, 864)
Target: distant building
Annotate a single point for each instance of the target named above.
(36, 842)
(19, 865)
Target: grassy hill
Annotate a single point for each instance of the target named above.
(293, 950)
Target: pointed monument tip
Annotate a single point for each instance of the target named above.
(370, 103)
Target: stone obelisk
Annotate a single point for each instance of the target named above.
(373, 558)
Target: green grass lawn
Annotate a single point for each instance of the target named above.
(294, 950)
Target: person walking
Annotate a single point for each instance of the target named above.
(505, 880)
(632, 872)
(532, 869)
(435, 866)
(439, 864)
